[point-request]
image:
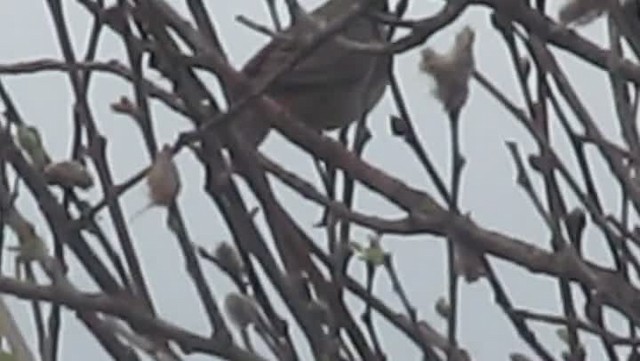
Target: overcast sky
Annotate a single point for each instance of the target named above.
(490, 193)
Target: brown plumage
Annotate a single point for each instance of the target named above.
(330, 88)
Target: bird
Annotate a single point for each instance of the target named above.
(333, 85)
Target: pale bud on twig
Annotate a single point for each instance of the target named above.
(31, 142)
(443, 308)
(30, 245)
(451, 71)
(563, 334)
(163, 180)
(68, 174)
(228, 257)
(242, 310)
(581, 12)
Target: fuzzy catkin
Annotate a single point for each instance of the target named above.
(229, 258)
(241, 309)
(451, 71)
(31, 142)
(163, 179)
(68, 174)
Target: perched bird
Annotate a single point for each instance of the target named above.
(163, 180)
(451, 71)
(333, 85)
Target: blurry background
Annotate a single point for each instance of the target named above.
(489, 191)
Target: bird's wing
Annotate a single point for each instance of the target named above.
(330, 63)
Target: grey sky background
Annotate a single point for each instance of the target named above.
(490, 193)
